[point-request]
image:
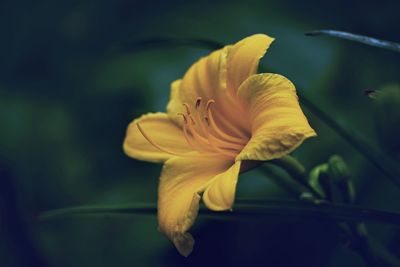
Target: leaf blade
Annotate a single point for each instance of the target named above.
(248, 209)
(358, 38)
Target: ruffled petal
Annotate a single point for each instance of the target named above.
(244, 57)
(182, 180)
(220, 194)
(278, 124)
(167, 138)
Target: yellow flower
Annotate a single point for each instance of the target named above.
(221, 117)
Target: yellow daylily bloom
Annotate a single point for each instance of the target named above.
(222, 116)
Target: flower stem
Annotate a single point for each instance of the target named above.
(293, 167)
(372, 253)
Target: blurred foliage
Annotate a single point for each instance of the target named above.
(70, 83)
(387, 117)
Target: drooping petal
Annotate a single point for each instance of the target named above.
(166, 138)
(278, 124)
(220, 194)
(244, 57)
(182, 180)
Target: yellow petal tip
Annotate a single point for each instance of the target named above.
(183, 242)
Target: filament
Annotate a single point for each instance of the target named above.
(189, 140)
(203, 134)
(215, 127)
(187, 108)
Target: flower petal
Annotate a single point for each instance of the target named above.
(175, 104)
(181, 182)
(161, 131)
(243, 59)
(207, 79)
(277, 121)
(220, 194)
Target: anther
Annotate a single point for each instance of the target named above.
(198, 102)
(209, 102)
(207, 120)
(187, 108)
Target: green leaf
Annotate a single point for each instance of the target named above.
(250, 209)
(358, 38)
(386, 114)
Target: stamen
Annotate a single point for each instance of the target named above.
(211, 140)
(207, 120)
(189, 140)
(225, 144)
(203, 128)
(209, 102)
(198, 102)
(214, 126)
(207, 142)
(192, 120)
(187, 108)
(184, 117)
(220, 150)
(203, 134)
(200, 139)
(154, 144)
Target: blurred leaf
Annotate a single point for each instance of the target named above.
(251, 209)
(358, 38)
(156, 43)
(387, 116)
(379, 159)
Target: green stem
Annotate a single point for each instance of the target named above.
(293, 167)
(292, 188)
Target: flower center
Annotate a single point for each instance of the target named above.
(203, 133)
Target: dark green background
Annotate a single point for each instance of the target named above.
(70, 82)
